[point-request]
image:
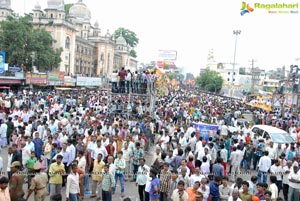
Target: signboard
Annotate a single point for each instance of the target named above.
(14, 68)
(34, 78)
(10, 81)
(68, 81)
(88, 81)
(56, 76)
(167, 55)
(206, 130)
(2, 61)
(55, 83)
(165, 64)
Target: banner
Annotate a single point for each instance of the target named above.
(166, 64)
(56, 76)
(206, 130)
(88, 81)
(14, 68)
(69, 81)
(2, 61)
(167, 55)
(34, 78)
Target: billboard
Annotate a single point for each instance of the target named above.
(206, 130)
(165, 64)
(88, 81)
(56, 76)
(34, 78)
(167, 55)
(2, 61)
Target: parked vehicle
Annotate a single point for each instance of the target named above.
(278, 136)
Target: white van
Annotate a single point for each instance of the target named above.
(278, 136)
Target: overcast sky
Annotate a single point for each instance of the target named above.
(194, 27)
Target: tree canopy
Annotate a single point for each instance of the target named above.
(130, 38)
(67, 7)
(19, 40)
(210, 80)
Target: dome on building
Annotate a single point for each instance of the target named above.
(121, 40)
(37, 6)
(5, 4)
(55, 4)
(80, 11)
(96, 25)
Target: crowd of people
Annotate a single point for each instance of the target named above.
(125, 81)
(77, 142)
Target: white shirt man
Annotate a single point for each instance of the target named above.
(63, 138)
(175, 196)
(277, 170)
(182, 141)
(224, 130)
(189, 131)
(143, 175)
(196, 177)
(264, 164)
(91, 146)
(99, 150)
(81, 162)
(192, 143)
(3, 130)
(272, 151)
(294, 186)
(26, 152)
(72, 150)
(72, 184)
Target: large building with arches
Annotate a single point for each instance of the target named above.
(85, 49)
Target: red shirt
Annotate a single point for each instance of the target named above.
(110, 150)
(122, 75)
(191, 167)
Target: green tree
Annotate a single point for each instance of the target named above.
(130, 38)
(67, 7)
(18, 39)
(210, 80)
(133, 53)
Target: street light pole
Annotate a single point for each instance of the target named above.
(236, 33)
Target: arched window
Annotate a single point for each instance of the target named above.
(51, 16)
(67, 45)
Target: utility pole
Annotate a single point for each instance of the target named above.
(236, 33)
(252, 75)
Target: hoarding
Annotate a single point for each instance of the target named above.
(206, 130)
(14, 68)
(88, 81)
(165, 64)
(167, 55)
(69, 81)
(34, 78)
(2, 61)
(56, 76)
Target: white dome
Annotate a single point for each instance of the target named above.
(96, 25)
(55, 4)
(121, 40)
(37, 6)
(5, 4)
(80, 11)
